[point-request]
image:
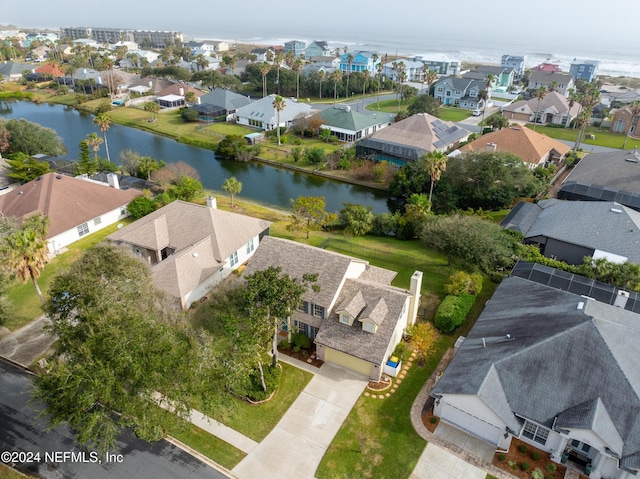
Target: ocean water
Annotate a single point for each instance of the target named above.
(615, 60)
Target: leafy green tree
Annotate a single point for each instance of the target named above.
(233, 187)
(186, 189)
(484, 179)
(6, 307)
(133, 164)
(310, 214)
(24, 168)
(272, 297)
(424, 104)
(30, 138)
(412, 178)
(231, 147)
(356, 219)
(141, 206)
(189, 114)
(119, 342)
(25, 252)
(416, 210)
(471, 239)
(497, 122)
(315, 155)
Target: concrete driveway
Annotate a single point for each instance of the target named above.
(438, 463)
(26, 344)
(297, 444)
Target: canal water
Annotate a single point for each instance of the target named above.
(263, 183)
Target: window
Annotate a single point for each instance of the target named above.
(533, 431)
(83, 229)
(580, 446)
(97, 221)
(368, 327)
(250, 246)
(318, 311)
(123, 210)
(344, 318)
(233, 259)
(303, 307)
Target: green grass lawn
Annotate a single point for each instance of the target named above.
(7, 472)
(453, 114)
(388, 106)
(604, 137)
(23, 296)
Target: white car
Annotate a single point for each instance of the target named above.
(477, 112)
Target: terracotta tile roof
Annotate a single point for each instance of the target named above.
(529, 145)
(50, 69)
(67, 201)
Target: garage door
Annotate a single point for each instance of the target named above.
(471, 424)
(346, 361)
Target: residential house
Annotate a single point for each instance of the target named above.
(263, 54)
(547, 67)
(296, 47)
(361, 61)
(504, 76)
(262, 114)
(191, 248)
(326, 64)
(222, 101)
(558, 228)
(47, 72)
(440, 64)
(356, 318)
(586, 70)
(12, 71)
(551, 361)
(625, 121)
(75, 207)
(40, 53)
(413, 69)
(348, 125)
(142, 58)
(174, 95)
(317, 49)
(409, 139)
(462, 92)
(563, 82)
(533, 148)
(553, 109)
(208, 46)
(149, 84)
(517, 62)
(610, 176)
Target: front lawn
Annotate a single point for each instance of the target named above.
(23, 296)
(388, 106)
(453, 114)
(603, 137)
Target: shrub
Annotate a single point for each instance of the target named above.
(400, 350)
(453, 311)
(385, 224)
(296, 153)
(512, 464)
(522, 448)
(502, 457)
(551, 467)
(535, 455)
(464, 283)
(189, 114)
(271, 379)
(285, 345)
(524, 466)
(299, 340)
(537, 474)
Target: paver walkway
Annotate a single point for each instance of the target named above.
(295, 447)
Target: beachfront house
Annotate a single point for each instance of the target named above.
(586, 70)
(317, 49)
(191, 248)
(296, 47)
(261, 113)
(561, 81)
(360, 62)
(461, 92)
(440, 64)
(517, 62)
(413, 69)
(356, 318)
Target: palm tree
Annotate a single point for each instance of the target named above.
(201, 62)
(553, 86)
(379, 69)
(297, 68)
(25, 251)
(336, 76)
(572, 99)
(483, 96)
(264, 70)
(321, 75)
(430, 78)
(366, 74)
(104, 123)
(153, 108)
(634, 108)
(277, 63)
(349, 62)
(401, 77)
(435, 163)
(233, 187)
(94, 142)
(540, 94)
(279, 104)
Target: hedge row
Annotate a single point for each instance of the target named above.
(453, 311)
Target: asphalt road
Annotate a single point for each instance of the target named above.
(22, 431)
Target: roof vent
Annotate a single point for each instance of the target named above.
(58, 177)
(581, 305)
(616, 210)
(631, 160)
(195, 255)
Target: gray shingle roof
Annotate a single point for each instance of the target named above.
(616, 169)
(226, 99)
(602, 225)
(559, 360)
(522, 217)
(339, 117)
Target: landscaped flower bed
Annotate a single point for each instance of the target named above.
(525, 461)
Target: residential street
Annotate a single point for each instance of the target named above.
(22, 431)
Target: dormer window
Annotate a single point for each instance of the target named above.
(346, 319)
(368, 326)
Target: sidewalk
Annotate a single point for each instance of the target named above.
(28, 343)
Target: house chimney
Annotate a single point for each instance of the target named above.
(414, 301)
(181, 91)
(211, 202)
(112, 179)
(197, 100)
(492, 146)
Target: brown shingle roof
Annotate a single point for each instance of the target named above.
(67, 201)
(527, 144)
(175, 90)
